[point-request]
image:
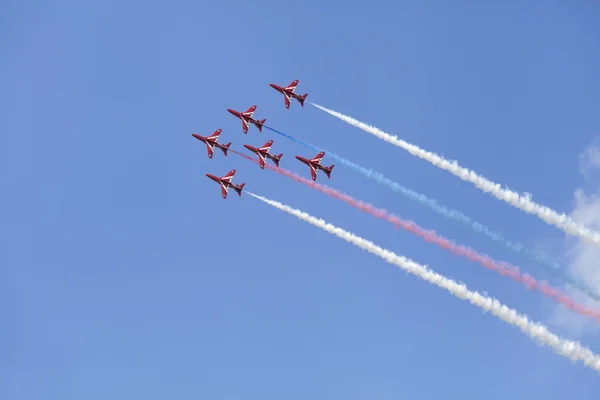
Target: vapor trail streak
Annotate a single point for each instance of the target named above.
(567, 348)
(548, 215)
(431, 236)
(536, 256)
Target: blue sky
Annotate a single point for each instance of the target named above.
(124, 274)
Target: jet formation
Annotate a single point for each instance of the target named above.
(263, 152)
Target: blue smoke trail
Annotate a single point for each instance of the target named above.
(446, 212)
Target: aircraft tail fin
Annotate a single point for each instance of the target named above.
(225, 148)
(239, 190)
(328, 171)
(302, 98)
(260, 124)
(277, 159)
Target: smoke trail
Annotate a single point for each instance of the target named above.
(548, 215)
(432, 237)
(567, 348)
(453, 214)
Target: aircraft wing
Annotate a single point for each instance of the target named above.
(249, 112)
(267, 146)
(292, 86)
(244, 125)
(318, 158)
(261, 159)
(313, 172)
(224, 189)
(286, 99)
(227, 178)
(216, 134)
(210, 147)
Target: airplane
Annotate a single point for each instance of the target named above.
(211, 142)
(315, 164)
(263, 154)
(225, 182)
(288, 93)
(246, 118)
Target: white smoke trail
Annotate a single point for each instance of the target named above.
(524, 203)
(566, 348)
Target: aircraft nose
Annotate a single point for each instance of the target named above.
(196, 136)
(231, 111)
(272, 85)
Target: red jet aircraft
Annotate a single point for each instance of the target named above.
(211, 142)
(315, 164)
(246, 118)
(288, 93)
(225, 182)
(263, 153)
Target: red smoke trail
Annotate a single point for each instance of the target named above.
(502, 268)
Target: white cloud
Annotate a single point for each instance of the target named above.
(589, 162)
(584, 258)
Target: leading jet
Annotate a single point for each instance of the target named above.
(288, 93)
